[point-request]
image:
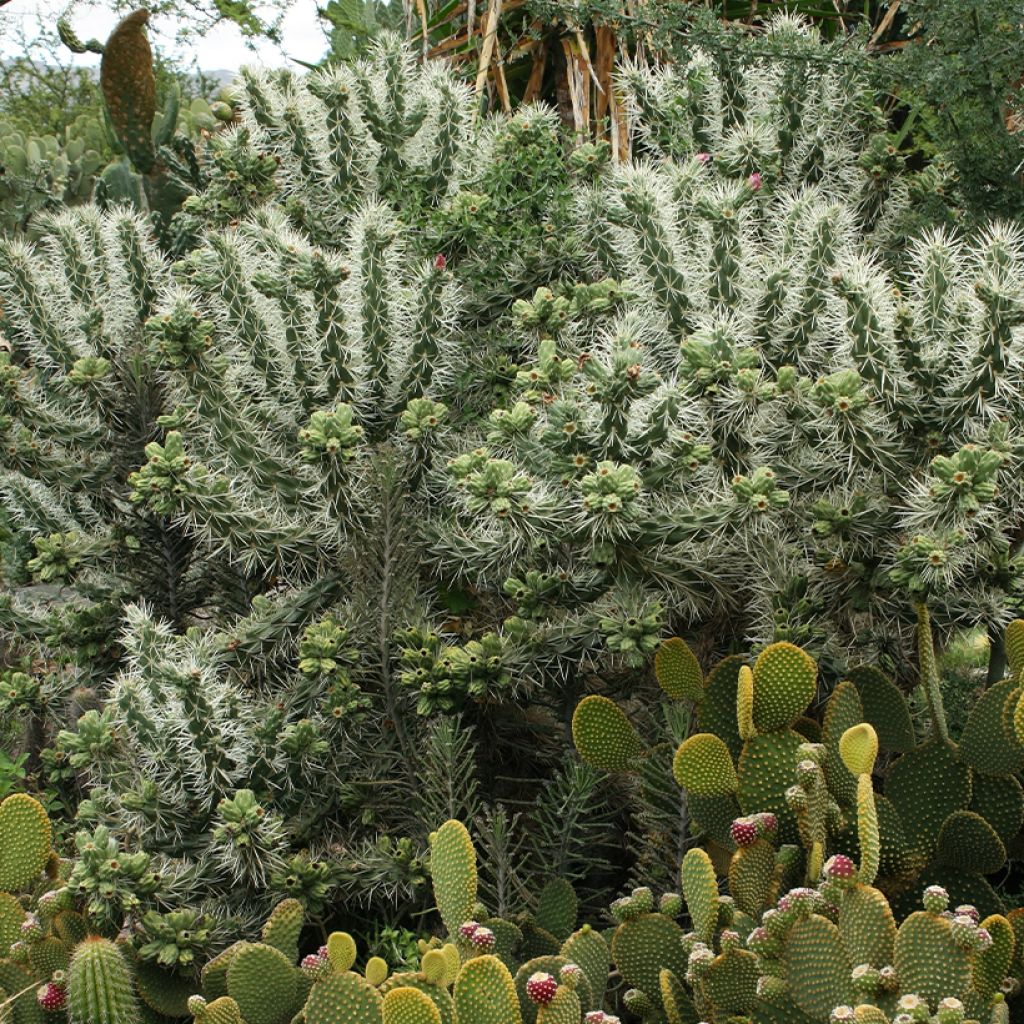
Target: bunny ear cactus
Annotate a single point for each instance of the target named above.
(840, 942)
(26, 836)
(454, 873)
(485, 993)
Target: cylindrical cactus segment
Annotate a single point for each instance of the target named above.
(604, 736)
(453, 870)
(100, 989)
(745, 703)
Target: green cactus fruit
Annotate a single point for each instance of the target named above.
(129, 87)
(745, 704)
(1015, 648)
(867, 927)
(928, 960)
(214, 975)
(676, 1000)
(25, 838)
(165, 992)
(703, 766)
(980, 745)
(858, 747)
(100, 989)
(885, 708)
(968, 842)
(221, 1011)
(604, 736)
(565, 1008)
(785, 678)
(730, 984)
(557, 908)
(377, 970)
(644, 946)
(1000, 801)
(767, 767)
(485, 993)
(453, 870)
(817, 971)
(283, 927)
(752, 881)
(717, 711)
(700, 890)
(926, 786)
(12, 914)
(343, 998)
(341, 951)
(588, 949)
(408, 1006)
(678, 672)
(992, 965)
(263, 982)
(842, 713)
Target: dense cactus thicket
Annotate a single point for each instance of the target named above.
(368, 513)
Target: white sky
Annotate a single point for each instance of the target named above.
(222, 48)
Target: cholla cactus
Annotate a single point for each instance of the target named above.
(759, 377)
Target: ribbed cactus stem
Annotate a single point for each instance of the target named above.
(929, 671)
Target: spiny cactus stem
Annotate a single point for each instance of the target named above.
(929, 670)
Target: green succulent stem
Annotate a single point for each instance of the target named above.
(929, 670)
